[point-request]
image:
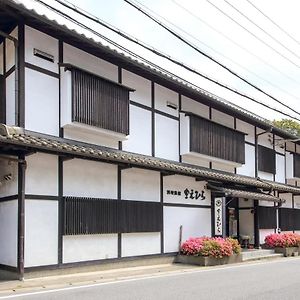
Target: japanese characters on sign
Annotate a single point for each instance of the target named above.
(218, 217)
(189, 194)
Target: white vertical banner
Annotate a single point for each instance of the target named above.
(218, 216)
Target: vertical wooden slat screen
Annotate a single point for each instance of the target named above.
(2, 99)
(91, 216)
(98, 102)
(267, 217)
(289, 219)
(297, 165)
(215, 140)
(266, 159)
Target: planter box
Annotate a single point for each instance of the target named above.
(288, 251)
(208, 261)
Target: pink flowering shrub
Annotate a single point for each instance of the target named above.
(213, 247)
(282, 240)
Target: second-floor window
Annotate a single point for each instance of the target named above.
(266, 160)
(99, 102)
(212, 139)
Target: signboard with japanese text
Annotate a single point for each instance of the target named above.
(218, 216)
(185, 190)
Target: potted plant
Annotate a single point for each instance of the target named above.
(285, 243)
(206, 251)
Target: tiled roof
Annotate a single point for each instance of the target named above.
(18, 137)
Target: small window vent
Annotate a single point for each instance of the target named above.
(172, 105)
(43, 55)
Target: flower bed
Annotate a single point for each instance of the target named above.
(286, 243)
(210, 251)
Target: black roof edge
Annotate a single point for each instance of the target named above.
(34, 19)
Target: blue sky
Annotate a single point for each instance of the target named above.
(239, 50)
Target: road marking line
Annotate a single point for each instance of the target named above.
(182, 272)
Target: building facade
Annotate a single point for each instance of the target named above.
(104, 157)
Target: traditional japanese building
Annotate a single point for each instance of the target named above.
(104, 156)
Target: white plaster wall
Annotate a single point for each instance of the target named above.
(247, 128)
(195, 222)
(42, 174)
(297, 202)
(10, 187)
(1, 59)
(66, 96)
(297, 148)
(289, 165)
(166, 138)
(265, 203)
(142, 86)
(263, 233)
(89, 247)
(222, 118)
(280, 168)
(246, 223)
(10, 50)
(41, 102)
(90, 62)
(190, 105)
(41, 41)
(279, 146)
(245, 202)
(222, 167)
(83, 178)
(41, 232)
(265, 139)
(180, 183)
(140, 185)
(8, 232)
(184, 133)
(288, 200)
(140, 128)
(248, 168)
(164, 95)
(265, 175)
(89, 137)
(290, 146)
(10, 99)
(134, 244)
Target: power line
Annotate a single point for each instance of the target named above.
(206, 55)
(157, 67)
(274, 23)
(251, 33)
(234, 42)
(263, 30)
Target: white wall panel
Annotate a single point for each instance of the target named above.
(222, 167)
(140, 129)
(263, 233)
(288, 200)
(265, 139)
(1, 58)
(195, 161)
(265, 175)
(265, 203)
(247, 128)
(279, 146)
(181, 183)
(142, 86)
(10, 187)
(8, 232)
(297, 202)
(85, 178)
(35, 39)
(41, 102)
(248, 168)
(90, 62)
(141, 185)
(195, 222)
(164, 95)
(42, 174)
(222, 118)
(245, 202)
(10, 50)
(89, 247)
(134, 244)
(10, 99)
(41, 232)
(91, 138)
(184, 134)
(280, 168)
(195, 107)
(166, 138)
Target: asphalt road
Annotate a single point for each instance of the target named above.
(279, 279)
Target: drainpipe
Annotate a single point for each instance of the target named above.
(16, 44)
(21, 215)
